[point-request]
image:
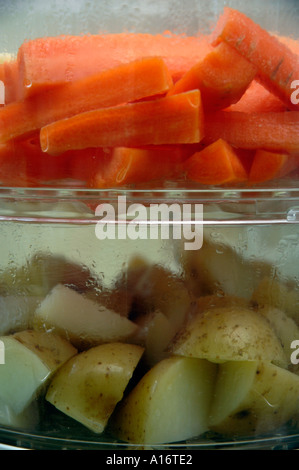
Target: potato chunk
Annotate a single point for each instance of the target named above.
(253, 398)
(88, 387)
(83, 321)
(227, 334)
(169, 404)
(276, 294)
(29, 362)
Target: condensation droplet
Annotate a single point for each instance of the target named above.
(27, 83)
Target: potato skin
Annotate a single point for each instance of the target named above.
(88, 387)
(227, 334)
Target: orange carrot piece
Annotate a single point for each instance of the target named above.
(139, 165)
(22, 163)
(2, 84)
(51, 61)
(11, 81)
(2, 72)
(246, 157)
(222, 78)
(13, 166)
(127, 82)
(276, 131)
(85, 164)
(257, 99)
(169, 120)
(270, 165)
(277, 65)
(216, 164)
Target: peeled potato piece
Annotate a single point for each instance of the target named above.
(218, 268)
(253, 398)
(169, 404)
(88, 387)
(155, 333)
(16, 312)
(227, 334)
(52, 349)
(30, 359)
(83, 321)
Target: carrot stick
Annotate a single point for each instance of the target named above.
(13, 166)
(257, 99)
(277, 65)
(2, 72)
(222, 77)
(51, 61)
(169, 120)
(127, 82)
(11, 81)
(215, 164)
(22, 163)
(138, 165)
(270, 165)
(86, 163)
(275, 131)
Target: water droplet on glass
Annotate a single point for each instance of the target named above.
(27, 83)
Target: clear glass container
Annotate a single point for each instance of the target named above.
(198, 283)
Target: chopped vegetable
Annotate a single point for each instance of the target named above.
(128, 82)
(85, 164)
(22, 163)
(50, 61)
(257, 99)
(269, 165)
(270, 131)
(12, 88)
(277, 65)
(215, 164)
(171, 120)
(137, 165)
(222, 77)
(129, 108)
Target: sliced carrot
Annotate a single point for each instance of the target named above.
(216, 164)
(22, 163)
(138, 165)
(127, 82)
(257, 99)
(169, 120)
(277, 131)
(222, 77)
(270, 165)
(246, 157)
(11, 81)
(50, 61)
(2, 71)
(2, 83)
(13, 166)
(277, 65)
(85, 164)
